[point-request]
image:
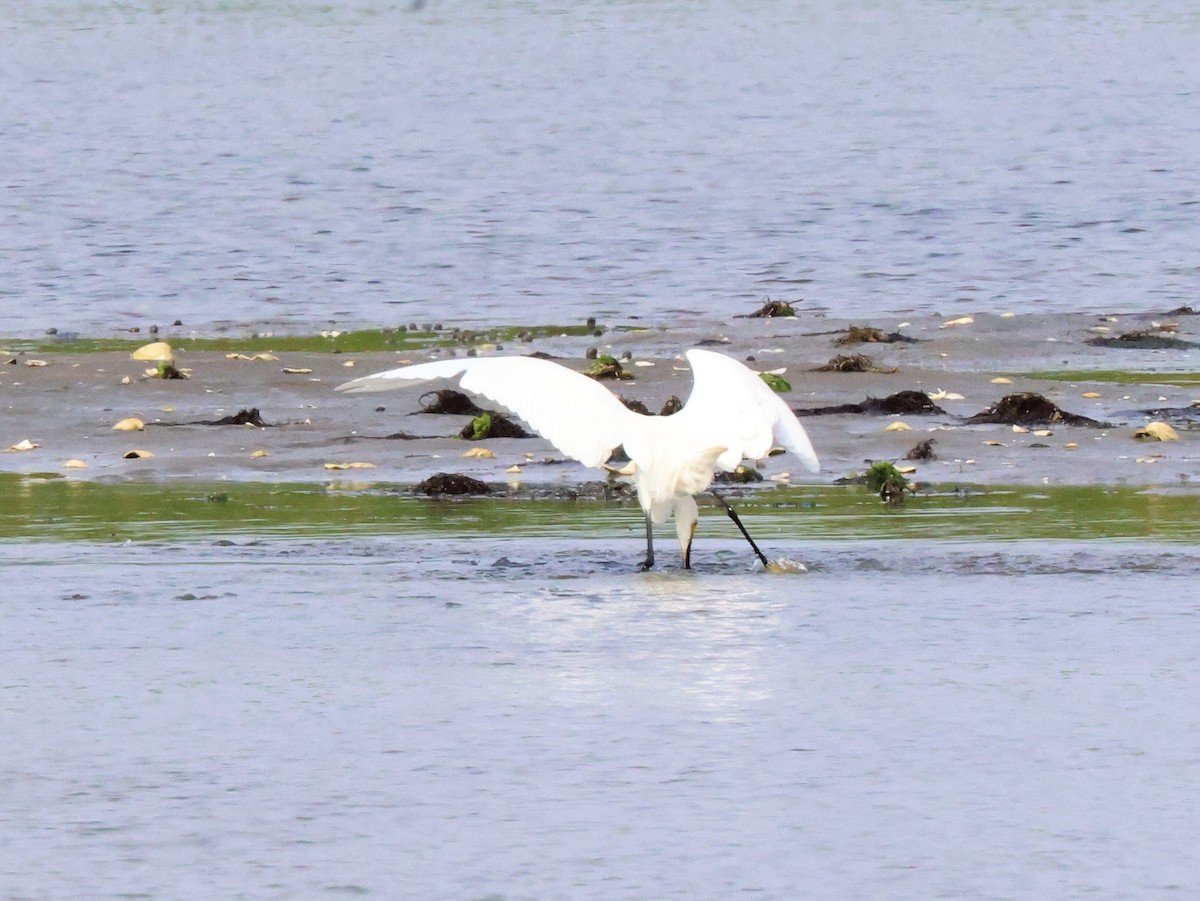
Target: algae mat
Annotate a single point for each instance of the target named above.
(37, 508)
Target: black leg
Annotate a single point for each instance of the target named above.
(741, 528)
(649, 564)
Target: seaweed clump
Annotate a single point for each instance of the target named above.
(853, 363)
(449, 401)
(909, 402)
(452, 483)
(1029, 409)
(770, 310)
(672, 405)
(246, 416)
(607, 367)
(888, 482)
(635, 406)
(742, 475)
(492, 425)
(168, 371)
(1149, 339)
(865, 334)
(249, 416)
(923, 450)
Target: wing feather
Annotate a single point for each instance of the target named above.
(576, 414)
(731, 406)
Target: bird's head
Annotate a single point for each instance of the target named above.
(686, 517)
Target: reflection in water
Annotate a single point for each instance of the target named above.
(716, 625)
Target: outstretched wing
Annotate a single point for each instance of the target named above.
(744, 415)
(576, 414)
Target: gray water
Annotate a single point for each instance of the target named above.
(531, 718)
(293, 163)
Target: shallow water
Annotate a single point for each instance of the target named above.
(529, 718)
(294, 163)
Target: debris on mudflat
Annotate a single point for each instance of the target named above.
(606, 367)
(250, 416)
(775, 382)
(394, 436)
(167, 371)
(1146, 339)
(1029, 409)
(452, 483)
(635, 405)
(888, 482)
(449, 401)
(770, 310)
(492, 425)
(251, 358)
(853, 363)
(913, 402)
(1156, 431)
(741, 476)
(922, 451)
(158, 352)
(865, 334)
(1186, 416)
(672, 405)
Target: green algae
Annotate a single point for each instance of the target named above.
(1178, 379)
(50, 508)
(360, 341)
(776, 383)
(480, 427)
(884, 479)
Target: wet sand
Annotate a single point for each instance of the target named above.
(68, 406)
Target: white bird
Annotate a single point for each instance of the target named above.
(731, 414)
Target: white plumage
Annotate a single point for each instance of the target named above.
(730, 415)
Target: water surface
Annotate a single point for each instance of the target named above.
(471, 718)
(366, 162)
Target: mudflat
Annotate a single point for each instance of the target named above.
(60, 403)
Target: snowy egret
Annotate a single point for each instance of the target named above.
(730, 415)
